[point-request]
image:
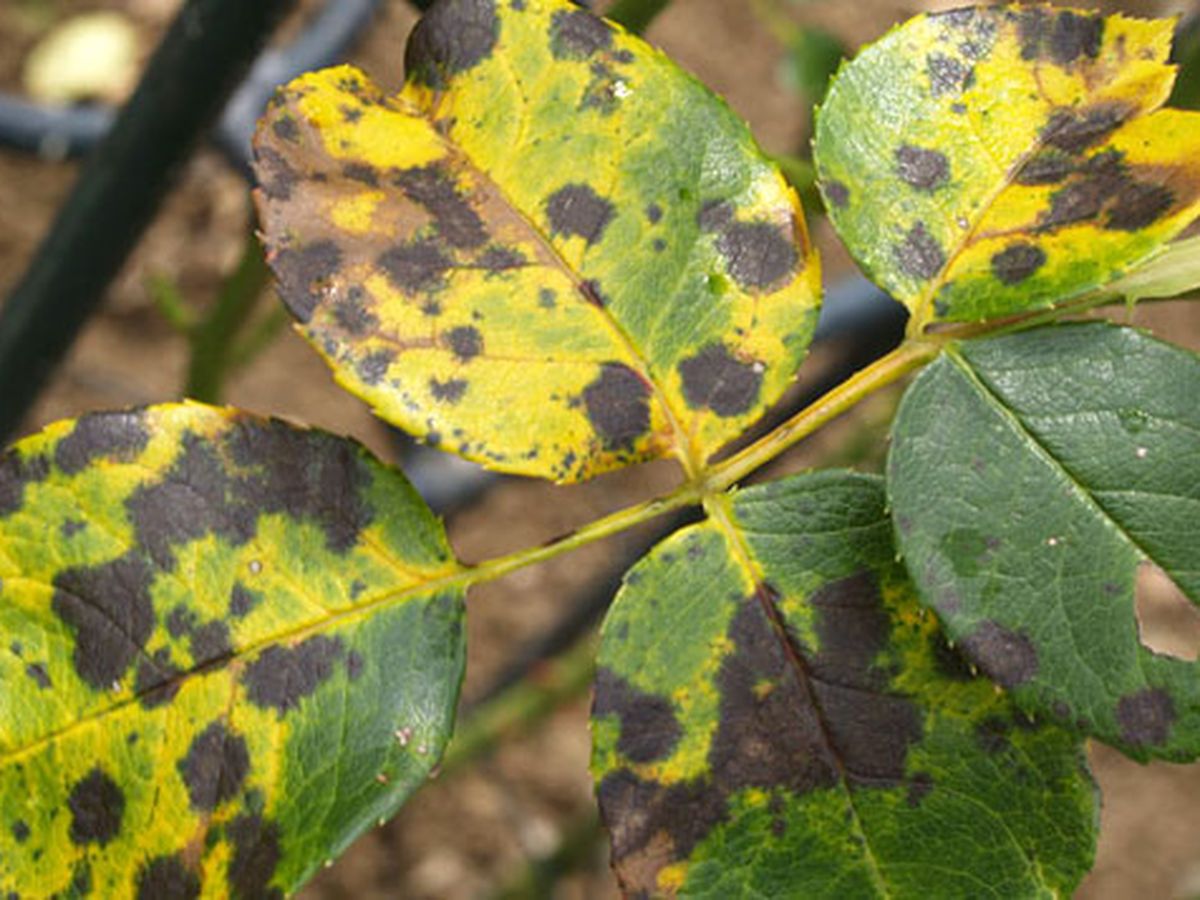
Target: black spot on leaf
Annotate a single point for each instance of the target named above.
(157, 680)
(1007, 657)
(373, 367)
(919, 254)
(97, 806)
(1145, 717)
(20, 831)
(353, 314)
(355, 665)
(449, 391)
(577, 34)
(714, 215)
(654, 213)
(242, 600)
(363, 173)
(758, 254)
(455, 219)
(948, 76)
(1015, 263)
(285, 129)
(836, 193)
(923, 169)
(16, 472)
(415, 266)
(649, 729)
(210, 642)
(501, 259)
(109, 608)
(452, 37)
(1063, 37)
(465, 342)
(303, 273)
(40, 676)
(167, 878)
(1074, 131)
(715, 379)
(1051, 166)
(215, 767)
(617, 405)
(275, 174)
(577, 210)
(256, 855)
(70, 528)
(1138, 205)
(283, 676)
(120, 436)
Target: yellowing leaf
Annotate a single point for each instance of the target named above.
(226, 653)
(986, 161)
(553, 252)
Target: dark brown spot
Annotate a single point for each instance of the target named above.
(40, 676)
(373, 367)
(350, 114)
(215, 767)
(577, 34)
(1145, 717)
(275, 173)
(167, 878)
(836, 193)
(362, 173)
(617, 405)
(452, 37)
(415, 266)
(649, 729)
(285, 129)
(578, 210)
(465, 342)
(256, 853)
(1015, 263)
(157, 680)
(654, 213)
(919, 254)
(109, 608)
(455, 219)
(115, 436)
(20, 831)
(242, 600)
(1007, 657)
(923, 169)
(948, 76)
(1074, 35)
(70, 528)
(1074, 131)
(1048, 167)
(714, 215)
(449, 391)
(1138, 205)
(715, 379)
(353, 313)
(17, 472)
(97, 806)
(758, 254)
(304, 273)
(283, 676)
(502, 259)
(210, 642)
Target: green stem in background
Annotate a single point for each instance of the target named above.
(523, 706)
(169, 301)
(212, 339)
(636, 15)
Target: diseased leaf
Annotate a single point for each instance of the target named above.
(775, 716)
(986, 161)
(1029, 476)
(553, 252)
(219, 662)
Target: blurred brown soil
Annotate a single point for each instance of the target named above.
(465, 836)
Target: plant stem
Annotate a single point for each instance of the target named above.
(908, 356)
(636, 15)
(213, 338)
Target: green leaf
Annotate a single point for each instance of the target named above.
(776, 716)
(982, 162)
(1029, 476)
(226, 653)
(552, 252)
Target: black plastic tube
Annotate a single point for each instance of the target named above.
(200, 62)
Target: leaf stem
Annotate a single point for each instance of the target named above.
(910, 355)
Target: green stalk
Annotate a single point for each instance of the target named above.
(636, 15)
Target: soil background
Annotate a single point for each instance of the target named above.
(471, 835)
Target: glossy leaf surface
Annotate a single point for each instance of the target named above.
(1029, 476)
(986, 161)
(775, 716)
(553, 252)
(220, 660)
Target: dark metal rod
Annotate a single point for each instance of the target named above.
(199, 63)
